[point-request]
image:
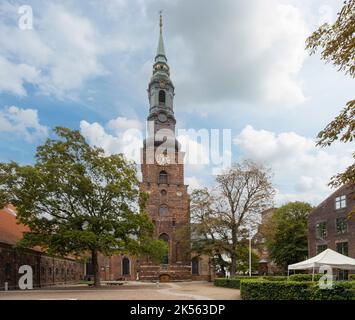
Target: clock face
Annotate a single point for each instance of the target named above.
(163, 160)
(162, 117)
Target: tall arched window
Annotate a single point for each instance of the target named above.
(195, 266)
(161, 96)
(126, 267)
(165, 238)
(163, 177)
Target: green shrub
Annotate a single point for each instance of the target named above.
(295, 290)
(352, 277)
(227, 283)
(275, 278)
(275, 290)
(304, 277)
(339, 291)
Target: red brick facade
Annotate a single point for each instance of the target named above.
(336, 207)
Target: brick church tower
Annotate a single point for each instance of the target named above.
(163, 177)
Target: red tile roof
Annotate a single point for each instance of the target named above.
(10, 231)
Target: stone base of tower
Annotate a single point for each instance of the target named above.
(165, 273)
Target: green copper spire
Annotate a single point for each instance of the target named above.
(161, 51)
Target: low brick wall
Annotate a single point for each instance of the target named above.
(47, 271)
(165, 273)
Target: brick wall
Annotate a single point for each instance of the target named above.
(47, 271)
(326, 212)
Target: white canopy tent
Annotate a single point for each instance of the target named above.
(326, 258)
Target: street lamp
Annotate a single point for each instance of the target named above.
(249, 253)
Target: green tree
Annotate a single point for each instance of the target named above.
(76, 200)
(243, 191)
(205, 226)
(337, 45)
(221, 218)
(288, 243)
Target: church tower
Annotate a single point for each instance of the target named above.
(163, 177)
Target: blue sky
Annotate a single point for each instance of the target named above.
(238, 65)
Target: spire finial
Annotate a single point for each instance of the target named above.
(161, 21)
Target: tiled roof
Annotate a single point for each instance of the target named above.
(10, 231)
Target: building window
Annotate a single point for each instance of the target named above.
(161, 96)
(125, 267)
(321, 230)
(195, 266)
(163, 210)
(343, 248)
(163, 177)
(49, 271)
(342, 225)
(321, 248)
(340, 202)
(164, 237)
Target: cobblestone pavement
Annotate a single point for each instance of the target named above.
(129, 291)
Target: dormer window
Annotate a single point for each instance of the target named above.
(161, 97)
(340, 202)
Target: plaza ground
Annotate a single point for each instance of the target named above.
(129, 291)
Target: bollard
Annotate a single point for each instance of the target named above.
(6, 286)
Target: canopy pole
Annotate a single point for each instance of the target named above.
(313, 274)
(288, 274)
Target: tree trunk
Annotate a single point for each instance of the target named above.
(233, 264)
(234, 246)
(95, 264)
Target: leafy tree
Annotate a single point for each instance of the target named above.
(205, 223)
(244, 191)
(288, 243)
(241, 193)
(337, 44)
(76, 200)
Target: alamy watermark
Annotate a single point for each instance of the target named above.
(25, 21)
(25, 282)
(188, 146)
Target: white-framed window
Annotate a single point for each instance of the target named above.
(340, 202)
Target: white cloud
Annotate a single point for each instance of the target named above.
(126, 140)
(57, 56)
(14, 76)
(193, 183)
(251, 50)
(22, 122)
(302, 171)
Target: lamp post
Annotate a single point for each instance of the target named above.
(249, 253)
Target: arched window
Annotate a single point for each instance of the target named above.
(161, 96)
(165, 237)
(163, 210)
(125, 267)
(163, 177)
(195, 266)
